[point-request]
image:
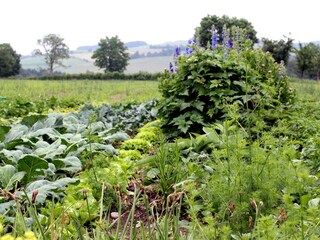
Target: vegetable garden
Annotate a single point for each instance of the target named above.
(230, 151)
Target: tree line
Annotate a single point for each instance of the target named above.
(112, 54)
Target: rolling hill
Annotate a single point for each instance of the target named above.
(146, 58)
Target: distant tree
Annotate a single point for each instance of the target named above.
(9, 61)
(305, 56)
(280, 49)
(204, 32)
(111, 55)
(54, 51)
(316, 62)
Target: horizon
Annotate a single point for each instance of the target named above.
(84, 22)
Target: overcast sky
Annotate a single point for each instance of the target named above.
(85, 22)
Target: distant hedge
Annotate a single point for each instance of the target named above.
(102, 76)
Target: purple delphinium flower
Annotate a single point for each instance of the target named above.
(171, 69)
(215, 38)
(189, 49)
(230, 43)
(177, 53)
(191, 42)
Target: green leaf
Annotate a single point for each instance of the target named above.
(33, 166)
(314, 202)
(182, 124)
(49, 151)
(3, 131)
(12, 155)
(196, 118)
(199, 105)
(184, 105)
(30, 120)
(119, 136)
(18, 142)
(44, 188)
(6, 172)
(153, 172)
(9, 176)
(68, 164)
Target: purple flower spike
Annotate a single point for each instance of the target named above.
(171, 70)
(177, 51)
(214, 42)
(191, 42)
(189, 49)
(230, 43)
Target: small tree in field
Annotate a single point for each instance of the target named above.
(112, 55)
(54, 51)
(9, 61)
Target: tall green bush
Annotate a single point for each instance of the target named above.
(198, 88)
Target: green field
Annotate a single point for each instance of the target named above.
(89, 91)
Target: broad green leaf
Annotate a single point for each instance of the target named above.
(16, 132)
(6, 172)
(30, 120)
(33, 166)
(12, 155)
(199, 105)
(3, 131)
(119, 136)
(44, 188)
(17, 177)
(101, 147)
(9, 176)
(4, 207)
(18, 142)
(184, 105)
(70, 164)
(153, 172)
(314, 202)
(49, 151)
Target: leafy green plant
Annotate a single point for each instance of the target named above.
(206, 80)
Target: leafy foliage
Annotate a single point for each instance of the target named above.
(112, 55)
(54, 51)
(204, 32)
(207, 80)
(9, 61)
(280, 49)
(308, 60)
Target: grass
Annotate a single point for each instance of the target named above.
(95, 92)
(307, 90)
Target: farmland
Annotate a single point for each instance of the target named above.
(81, 62)
(90, 162)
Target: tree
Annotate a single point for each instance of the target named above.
(305, 56)
(9, 61)
(204, 32)
(111, 55)
(280, 50)
(54, 51)
(316, 62)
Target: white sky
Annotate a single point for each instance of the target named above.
(85, 22)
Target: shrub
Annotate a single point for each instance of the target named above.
(206, 80)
